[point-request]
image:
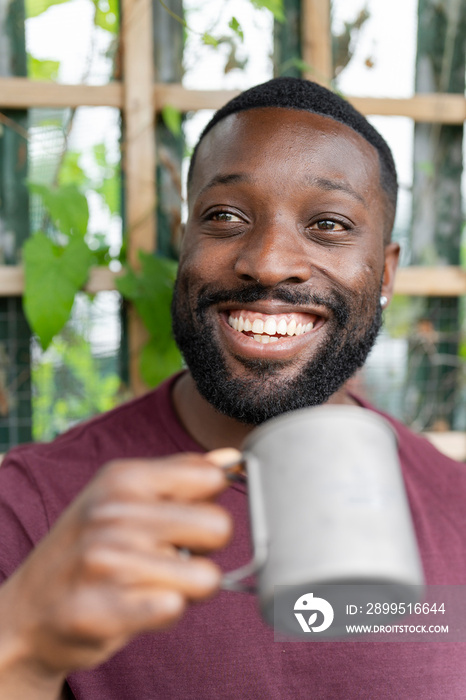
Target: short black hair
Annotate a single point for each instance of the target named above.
(297, 93)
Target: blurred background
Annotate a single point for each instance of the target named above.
(101, 104)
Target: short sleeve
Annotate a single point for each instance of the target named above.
(23, 520)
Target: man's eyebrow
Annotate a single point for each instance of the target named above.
(329, 185)
(229, 179)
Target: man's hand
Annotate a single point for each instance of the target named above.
(112, 568)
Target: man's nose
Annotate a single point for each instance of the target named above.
(273, 254)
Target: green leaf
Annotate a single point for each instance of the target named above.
(151, 291)
(100, 155)
(37, 7)
(110, 185)
(66, 206)
(209, 40)
(275, 7)
(109, 190)
(42, 70)
(53, 275)
(236, 27)
(172, 119)
(156, 363)
(100, 249)
(302, 65)
(427, 168)
(107, 15)
(71, 172)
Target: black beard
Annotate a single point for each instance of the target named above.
(253, 400)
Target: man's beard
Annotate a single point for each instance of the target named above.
(264, 394)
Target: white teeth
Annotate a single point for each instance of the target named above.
(281, 327)
(258, 326)
(270, 326)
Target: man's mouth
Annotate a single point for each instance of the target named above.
(270, 328)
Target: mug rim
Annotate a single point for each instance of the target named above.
(357, 412)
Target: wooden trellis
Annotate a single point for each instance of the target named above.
(139, 99)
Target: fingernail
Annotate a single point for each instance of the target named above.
(225, 457)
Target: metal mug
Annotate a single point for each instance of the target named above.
(328, 506)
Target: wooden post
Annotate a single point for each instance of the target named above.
(316, 40)
(138, 155)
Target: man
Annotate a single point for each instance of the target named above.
(285, 268)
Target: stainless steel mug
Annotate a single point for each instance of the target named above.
(328, 506)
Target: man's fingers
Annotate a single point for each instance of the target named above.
(196, 526)
(193, 577)
(189, 477)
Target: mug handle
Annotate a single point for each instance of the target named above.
(233, 580)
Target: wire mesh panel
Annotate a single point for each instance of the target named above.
(79, 374)
(15, 379)
(417, 372)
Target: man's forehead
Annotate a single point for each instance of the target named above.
(276, 132)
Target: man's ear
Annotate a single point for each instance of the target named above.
(392, 254)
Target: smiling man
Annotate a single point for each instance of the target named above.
(285, 268)
(286, 256)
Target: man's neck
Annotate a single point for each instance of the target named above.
(212, 429)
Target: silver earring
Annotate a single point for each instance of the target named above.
(383, 301)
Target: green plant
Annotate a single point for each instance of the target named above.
(151, 291)
(69, 385)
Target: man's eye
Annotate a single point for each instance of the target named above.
(327, 225)
(224, 216)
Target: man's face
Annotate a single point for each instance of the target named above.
(283, 262)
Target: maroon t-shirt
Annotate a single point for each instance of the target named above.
(222, 649)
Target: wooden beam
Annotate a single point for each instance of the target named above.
(438, 108)
(190, 100)
(11, 281)
(448, 281)
(441, 108)
(101, 279)
(316, 39)
(139, 159)
(21, 93)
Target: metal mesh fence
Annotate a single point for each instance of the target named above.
(417, 370)
(15, 376)
(79, 375)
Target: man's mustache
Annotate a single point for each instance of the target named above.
(335, 301)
